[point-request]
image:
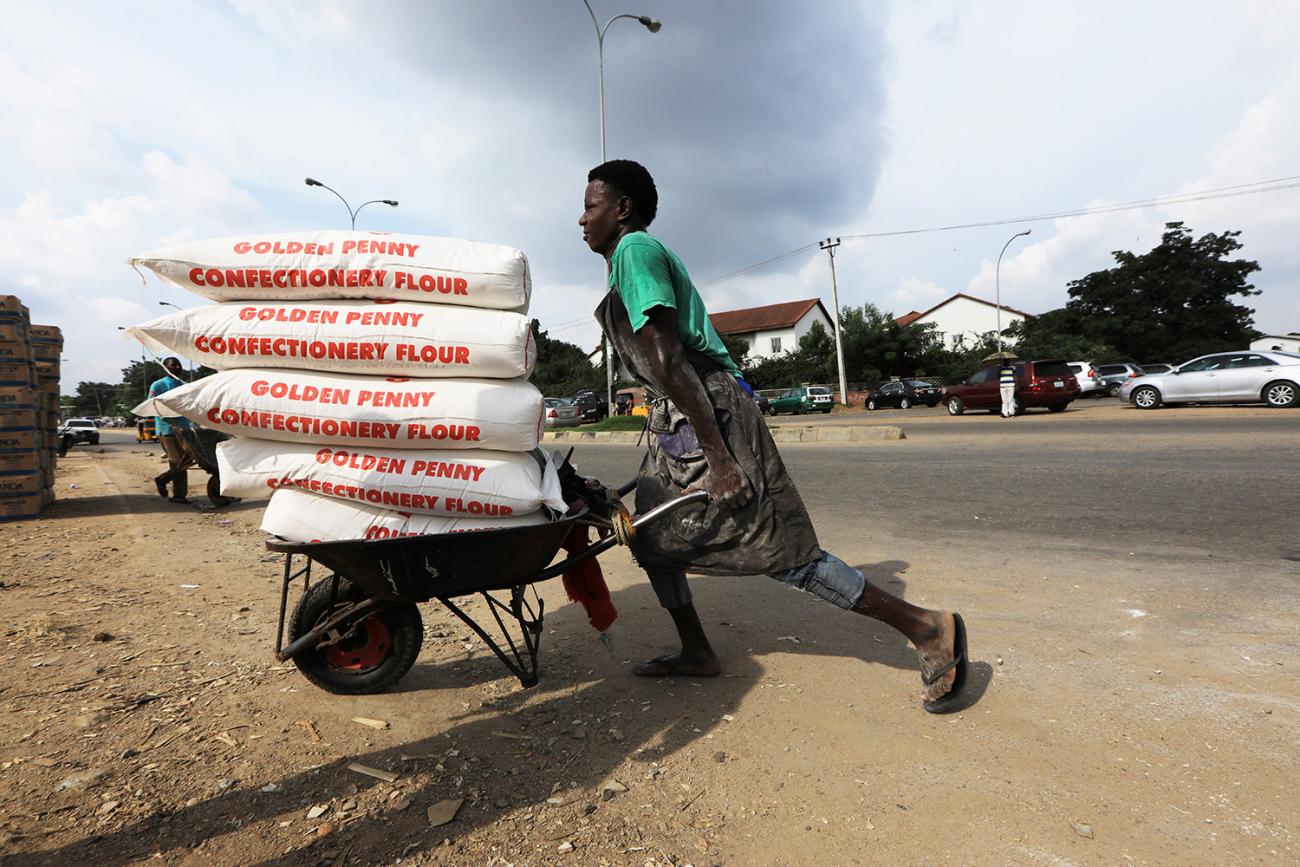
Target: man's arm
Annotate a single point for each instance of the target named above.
(725, 483)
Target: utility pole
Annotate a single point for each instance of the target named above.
(829, 246)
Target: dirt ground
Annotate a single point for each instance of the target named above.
(146, 719)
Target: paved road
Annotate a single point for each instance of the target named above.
(1150, 483)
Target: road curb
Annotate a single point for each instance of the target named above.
(786, 433)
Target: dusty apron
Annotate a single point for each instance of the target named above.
(772, 533)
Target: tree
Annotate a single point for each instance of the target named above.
(1058, 333)
(563, 368)
(876, 346)
(1172, 303)
(738, 349)
(93, 398)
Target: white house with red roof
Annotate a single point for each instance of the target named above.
(773, 329)
(965, 319)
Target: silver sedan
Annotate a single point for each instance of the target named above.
(1253, 376)
(562, 413)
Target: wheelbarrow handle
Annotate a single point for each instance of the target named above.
(664, 508)
(610, 541)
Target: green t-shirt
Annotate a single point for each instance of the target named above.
(646, 274)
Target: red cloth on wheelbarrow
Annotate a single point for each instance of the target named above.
(585, 583)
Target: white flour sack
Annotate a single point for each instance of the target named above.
(334, 409)
(306, 265)
(454, 483)
(387, 338)
(297, 516)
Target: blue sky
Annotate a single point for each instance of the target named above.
(767, 125)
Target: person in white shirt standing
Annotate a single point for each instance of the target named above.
(1007, 385)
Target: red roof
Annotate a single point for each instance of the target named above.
(909, 318)
(764, 318)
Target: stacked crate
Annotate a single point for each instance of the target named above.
(29, 402)
(47, 348)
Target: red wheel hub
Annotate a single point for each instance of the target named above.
(363, 650)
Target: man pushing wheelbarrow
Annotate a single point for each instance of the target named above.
(707, 435)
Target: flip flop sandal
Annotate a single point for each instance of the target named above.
(948, 701)
(667, 667)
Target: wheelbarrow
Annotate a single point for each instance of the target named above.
(358, 630)
(200, 445)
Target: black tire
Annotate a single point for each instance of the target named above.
(214, 494)
(1145, 397)
(1057, 407)
(94, 441)
(905, 404)
(871, 403)
(1281, 394)
(956, 406)
(375, 657)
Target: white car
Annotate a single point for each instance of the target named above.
(83, 430)
(1272, 378)
(1089, 383)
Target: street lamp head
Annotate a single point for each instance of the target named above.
(389, 202)
(654, 25)
(1025, 232)
(312, 182)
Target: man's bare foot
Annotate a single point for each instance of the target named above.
(936, 653)
(679, 665)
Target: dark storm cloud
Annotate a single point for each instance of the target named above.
(759, 120)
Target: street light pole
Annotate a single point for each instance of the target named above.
(997, 281)
(653, 25)
(829, 246)
(312, 182)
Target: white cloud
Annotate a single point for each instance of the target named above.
(913, 293)
(125, 129)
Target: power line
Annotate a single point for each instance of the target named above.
(1228, 192)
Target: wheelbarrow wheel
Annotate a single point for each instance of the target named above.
(379, 651)
(214, 494)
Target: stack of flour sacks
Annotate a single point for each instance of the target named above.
(376, 384)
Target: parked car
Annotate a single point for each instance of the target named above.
(1089, 383)
(83, 430)
(591, 404)
(1272, 378)
(1155, 368)
(1112, 376)
(805, 398)
(1044, 383)
(560, 412)
(904, 394)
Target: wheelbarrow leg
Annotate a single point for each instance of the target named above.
(530, 628)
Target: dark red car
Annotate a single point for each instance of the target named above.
(1047, 383)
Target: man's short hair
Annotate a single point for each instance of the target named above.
(630, 178)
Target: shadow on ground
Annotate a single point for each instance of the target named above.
(579, 678)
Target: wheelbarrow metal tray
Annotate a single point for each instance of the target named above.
(420, 568)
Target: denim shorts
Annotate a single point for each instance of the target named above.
(828, 577)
